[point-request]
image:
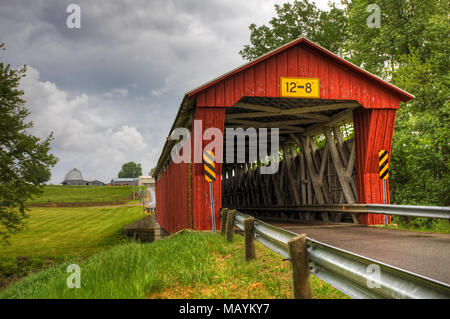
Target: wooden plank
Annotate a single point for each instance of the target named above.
(229, 91)
(291, 175)
(304, 143)
(323, 164)
(298, 253)
(249, 82)
(313, 62)
(342, 117)
(211, 96)
(271, 109)
(301, 110)
(220, 94)
(333, 81)
(260, 79)
(230, 224)
(340, 170)
(271, 77)
(249, 235)
(271, 124)
(255, 107)
(238, 86)
(292, 56)
(342, 147)
(223, 220)
(303, 179)
(323, 77)
(281, 68)
(303, 62)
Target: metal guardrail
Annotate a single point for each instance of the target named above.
(355, 275)
(399, 210)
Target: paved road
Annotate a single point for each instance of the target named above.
(423, 253)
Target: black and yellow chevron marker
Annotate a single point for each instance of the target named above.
(210, 167)
(384, 164)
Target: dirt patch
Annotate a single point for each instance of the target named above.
(87, 204)
(23, 266)
(233, 290)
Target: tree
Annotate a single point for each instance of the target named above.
(25, 161)
(300, 18)
(152, 171)
(411, 50)
(130, 170)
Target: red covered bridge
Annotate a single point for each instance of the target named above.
(331, 169)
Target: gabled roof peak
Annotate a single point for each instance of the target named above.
(404, 96)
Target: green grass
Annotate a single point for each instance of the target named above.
(187, 265)
(419, 224)
(83, 194)
(53, 234)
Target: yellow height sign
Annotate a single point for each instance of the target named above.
(384, 164)
(300, 87)
(210, 167)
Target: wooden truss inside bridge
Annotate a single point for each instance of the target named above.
(307, 174)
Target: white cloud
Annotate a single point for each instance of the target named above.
(117, 93)
(89, 134)
(110, 90)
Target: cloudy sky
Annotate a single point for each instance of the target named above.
(110, 90)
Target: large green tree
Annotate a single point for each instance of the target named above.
(25, 161)
(411, 50)
(300, 18)
(130, 170)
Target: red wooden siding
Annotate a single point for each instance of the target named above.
(373, 132)
(211, 117)
(172, 198)
(338, 80)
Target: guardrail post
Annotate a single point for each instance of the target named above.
(301, 283)
(249, 235)
(223, 219)
(230, 224)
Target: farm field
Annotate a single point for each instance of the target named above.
(210, 268)
(54, 234)
(34, 263)
(54, 194)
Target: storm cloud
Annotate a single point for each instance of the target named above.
(110, 90)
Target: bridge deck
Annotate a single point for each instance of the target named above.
(427, 254)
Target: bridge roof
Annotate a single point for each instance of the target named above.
(404, 96)
(340, 80)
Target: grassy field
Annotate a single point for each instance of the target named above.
(187, 265)
(83, 194)
(54, 234)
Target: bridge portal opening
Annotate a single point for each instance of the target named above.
(316, 156)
